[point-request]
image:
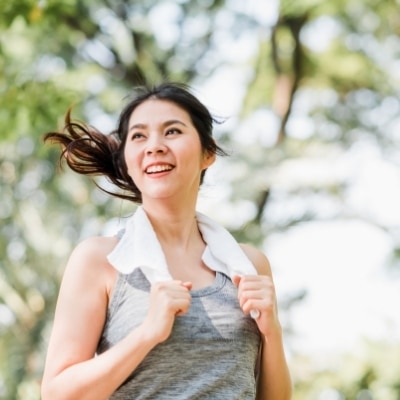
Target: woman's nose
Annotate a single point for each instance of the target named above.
(156, 144)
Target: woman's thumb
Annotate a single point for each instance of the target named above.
(236, 279)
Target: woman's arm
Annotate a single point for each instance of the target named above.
(72, 370)
(258, 292)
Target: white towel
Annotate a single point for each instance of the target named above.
(140, 248)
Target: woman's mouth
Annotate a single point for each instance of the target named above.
(154, 169)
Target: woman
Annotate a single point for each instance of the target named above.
(163, 310)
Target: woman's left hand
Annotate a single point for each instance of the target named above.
(257, 292)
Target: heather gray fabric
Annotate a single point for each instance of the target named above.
(211, 353)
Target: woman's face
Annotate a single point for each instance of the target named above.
(163, 152)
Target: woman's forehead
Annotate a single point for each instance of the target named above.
(155, 109)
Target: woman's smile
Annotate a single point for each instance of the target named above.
(157, 169)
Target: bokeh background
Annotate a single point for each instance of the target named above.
(309, 94)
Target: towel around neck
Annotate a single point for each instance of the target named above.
(140, 248)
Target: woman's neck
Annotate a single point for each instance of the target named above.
(174, 225)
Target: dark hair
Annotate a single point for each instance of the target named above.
(87, 151)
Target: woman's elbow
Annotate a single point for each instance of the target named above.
(46, 391)
(49, 391)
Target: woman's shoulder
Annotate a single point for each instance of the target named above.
(96, 247)
(93, 251)
(88, 261)
(258, 258)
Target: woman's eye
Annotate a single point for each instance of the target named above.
(173, 131)
(136, 136)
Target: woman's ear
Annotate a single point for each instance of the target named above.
(208, 159)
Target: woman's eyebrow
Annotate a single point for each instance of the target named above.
(137, 126)
(172, 122)
(164, 124)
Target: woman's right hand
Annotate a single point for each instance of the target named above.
(167, 300)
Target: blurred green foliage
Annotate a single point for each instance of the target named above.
(88, 54)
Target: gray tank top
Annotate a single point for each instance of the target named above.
(211, 353)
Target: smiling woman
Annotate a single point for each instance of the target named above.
(162, 311)
(163, 152)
